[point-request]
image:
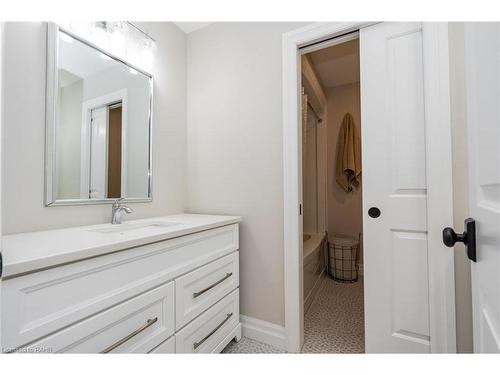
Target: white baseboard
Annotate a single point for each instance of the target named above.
(260, 330)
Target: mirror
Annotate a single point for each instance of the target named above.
(98, 136)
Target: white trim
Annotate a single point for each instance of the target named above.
(266, 332)
(440, 214)
(87, 107)
(2, 26)
(439, 186)
(330, 43)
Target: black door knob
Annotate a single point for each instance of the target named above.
(450, 238)
(468, 237)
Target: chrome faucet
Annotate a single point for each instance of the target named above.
(117, 209)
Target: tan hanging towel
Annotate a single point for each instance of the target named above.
(348, 164)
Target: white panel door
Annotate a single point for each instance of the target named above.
(482, 51)
(99, 153)
(394, 181)
(1, 131)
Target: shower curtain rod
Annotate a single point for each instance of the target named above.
(314, 111)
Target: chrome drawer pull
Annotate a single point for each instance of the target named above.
(149, 323)
(197, 344)
(197, 294)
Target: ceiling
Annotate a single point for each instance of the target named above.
(337, 65)
(189, 27)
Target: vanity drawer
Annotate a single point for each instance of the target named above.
(201, 288)
(135, 326)
(166, 347)
(43, 302)
(205, 333)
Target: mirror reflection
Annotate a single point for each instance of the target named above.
(102, 126)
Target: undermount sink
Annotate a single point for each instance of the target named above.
(125, 227)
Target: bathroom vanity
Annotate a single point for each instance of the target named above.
(159, 285)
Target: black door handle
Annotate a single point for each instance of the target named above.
(468, 237)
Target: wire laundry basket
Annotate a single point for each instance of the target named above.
(343, 257)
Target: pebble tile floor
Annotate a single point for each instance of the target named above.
(333, 324)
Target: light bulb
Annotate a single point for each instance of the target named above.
(100, 37)
(147, 53)
(117, 40)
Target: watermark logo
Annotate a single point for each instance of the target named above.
(28, 350)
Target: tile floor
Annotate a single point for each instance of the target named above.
(247, 345)
(333, 324)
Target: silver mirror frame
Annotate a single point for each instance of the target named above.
(51, 122)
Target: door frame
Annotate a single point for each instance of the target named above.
(438, 175)
(87, 107)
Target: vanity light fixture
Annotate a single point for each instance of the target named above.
(118, 40)
(99, 35)
(148, 47)
(123, 39)
(82, 29)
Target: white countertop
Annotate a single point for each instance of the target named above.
(27, 252)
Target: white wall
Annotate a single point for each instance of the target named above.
(24, 119)
(69, 129)
(235, 162)
(345, 210)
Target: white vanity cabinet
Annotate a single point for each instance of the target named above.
(180, 294)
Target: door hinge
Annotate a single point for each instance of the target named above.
(300, 208)
(1, 264)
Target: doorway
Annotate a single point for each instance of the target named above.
(105, 151)
(332, 198)
(115, 151)
(104, 147)
(407, 269)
